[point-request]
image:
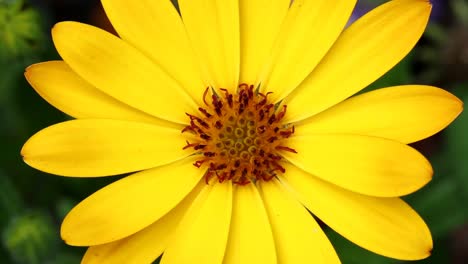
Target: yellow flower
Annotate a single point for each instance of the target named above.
(224, 174)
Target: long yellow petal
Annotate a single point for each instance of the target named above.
(405, 113)
(368, 165)
(61, 87)
(250, 238)
(121, 71)
(298, 237)
(130, 204)
(156, 29)
(260, 23)
(202, 235)
(365, 51)
(307, 33)
(144, 246)
(102, 147)
(213, 30)
(386, 226)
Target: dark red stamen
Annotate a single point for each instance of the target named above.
(208, 115)
(204, 96)
(286, 149)
(218, 124)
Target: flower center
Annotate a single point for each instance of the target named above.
(239, 136)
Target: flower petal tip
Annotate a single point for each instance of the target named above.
(68, 238)
(427, 4)
(27, 153)
(423, 250)
(65, 241)
(71, 242)
(24, 153)
(429, 246)
(460, 105)
(427, 253)
(59, 27)
(426, 178)
(55, 28)
(29, 71)
(430, 251)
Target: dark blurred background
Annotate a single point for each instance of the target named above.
(33, 204)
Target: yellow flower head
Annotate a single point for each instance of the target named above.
(234, 117)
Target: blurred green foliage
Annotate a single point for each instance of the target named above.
(20, 30)
(32, 204)
(21, 40)
(30, 237)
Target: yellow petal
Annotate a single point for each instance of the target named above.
(364, 52)
(307, 33)
(386, 226)
(202, 234)
(130, 204)
(146, 245)
(368, 165)
(250, 237)
(298, 237)
(405, 113)
(102, 147)
(156, 29)
(61, 87)
(121, 71)
(260, 23)
(213, 29)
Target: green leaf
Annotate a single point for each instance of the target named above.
(64, 206)
(441, 198)
(30, 237)
(398, 75)
(457, 143)
(10, 201)
(460, 8)
(64, 258)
